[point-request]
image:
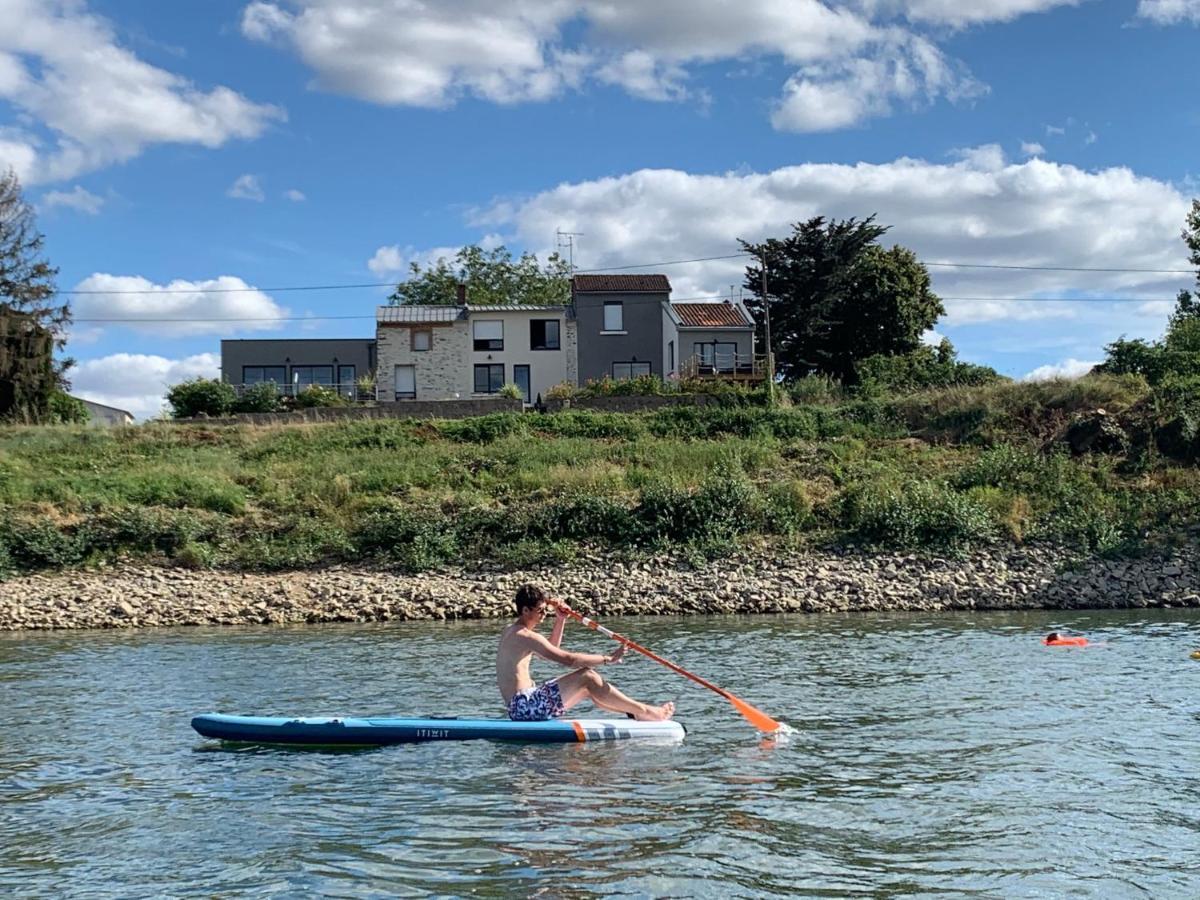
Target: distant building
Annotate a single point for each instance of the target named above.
(99, 414)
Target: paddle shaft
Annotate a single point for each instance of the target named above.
(757, 718)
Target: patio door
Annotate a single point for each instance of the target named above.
(406, 382)
(521, 380)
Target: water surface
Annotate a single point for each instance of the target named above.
(949, 754)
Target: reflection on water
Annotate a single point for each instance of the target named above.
(932, 754)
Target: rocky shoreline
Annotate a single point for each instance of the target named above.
(994, 579)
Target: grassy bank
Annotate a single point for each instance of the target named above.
(944, 470)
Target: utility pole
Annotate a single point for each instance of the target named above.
(767, 330)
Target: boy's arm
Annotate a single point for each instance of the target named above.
(555, 654)
(560, 623)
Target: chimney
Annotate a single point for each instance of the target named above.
(462, 294)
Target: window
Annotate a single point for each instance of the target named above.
(717, 355)
(623, 371)
(489, 335)
(259, 374)
(489, 379)
(422, 340)
(303, 376)
(521, 380)
(406, 383)
(614, 316)
(543, 334)
(347, 375)
(670, 356)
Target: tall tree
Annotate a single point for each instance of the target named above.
(1187, 303)
(492, 277)
(836, 297)
(26, 278)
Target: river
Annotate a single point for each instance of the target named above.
(933, 754)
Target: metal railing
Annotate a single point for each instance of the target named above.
(348, 390)
(738, 366)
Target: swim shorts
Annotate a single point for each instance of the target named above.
(536, 704)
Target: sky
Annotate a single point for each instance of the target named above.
(188, 162)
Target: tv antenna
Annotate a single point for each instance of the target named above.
(567, 239)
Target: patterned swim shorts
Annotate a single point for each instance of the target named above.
(536, 704)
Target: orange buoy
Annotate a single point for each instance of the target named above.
(1055, 639)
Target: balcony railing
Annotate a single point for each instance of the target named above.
(348, 390)
(731, 366)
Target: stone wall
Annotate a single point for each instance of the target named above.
(633, 403)
(405, 409)
(442, 372)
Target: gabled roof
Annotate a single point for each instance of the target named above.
(613, 284)
(711, 315)
(404, 314)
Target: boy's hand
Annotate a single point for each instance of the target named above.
(617, 655)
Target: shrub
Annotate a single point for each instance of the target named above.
(564, 390)
(259, 398)
(39, 544)
(63, 409)
(201, 396)
(414, 541)
(510, 391)
(316, 396)
(915, 514)
(920, 369)
(816, 389)
(483, 429)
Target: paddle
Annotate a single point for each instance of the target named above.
(755, 717)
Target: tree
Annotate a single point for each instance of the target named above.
(491, 277)
(201, 396)
(26, 279)
(837, 297)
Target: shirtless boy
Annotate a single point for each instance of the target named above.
(528, 702)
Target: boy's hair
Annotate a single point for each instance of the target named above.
(529, 596)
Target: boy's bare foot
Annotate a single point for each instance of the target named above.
(657, 713)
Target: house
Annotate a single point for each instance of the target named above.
(625, 326)
(296, 363)
(467, 350)
(99, 414)
(616, 326)
(717, 340)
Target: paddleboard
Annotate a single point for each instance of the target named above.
(378, 732)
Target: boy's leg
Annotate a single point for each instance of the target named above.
(587, 684)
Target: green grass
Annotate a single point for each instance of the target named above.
(943, 470)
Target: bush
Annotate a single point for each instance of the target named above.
(413, 541)
(201, 396)
(39, 544)
(316, 395)
(641, 385)
(564, 390)
(483, 429)
(510, 391)
(63, 409)
(916, 514)
(921, 369)
(259, 398)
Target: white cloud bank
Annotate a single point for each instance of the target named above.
(87, 102)
(1068, 368)
(137, 382)
(177, 309)
(850, 62)
(979, 208)
(1169, 12)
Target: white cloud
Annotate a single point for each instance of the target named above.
(851, 62)
(137, 382)
(87, 102)
(980, 208)
(294, 195)
(1169, 12)
(960, 13)
(78, 199)
(932, 338)
(1068, 368)
(178, 308)
(1032, 148)
(394, 260)
(246, 187)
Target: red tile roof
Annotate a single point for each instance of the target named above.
(609, 284)
(711, 315)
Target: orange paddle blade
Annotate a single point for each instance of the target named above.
(757, 718)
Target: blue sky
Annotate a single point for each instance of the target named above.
(258, 145)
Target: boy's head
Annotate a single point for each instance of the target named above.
(530, 596)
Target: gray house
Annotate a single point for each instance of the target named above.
(296, 363)
(625, 326)
(716, 339)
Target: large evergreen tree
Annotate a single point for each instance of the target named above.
(492, 277)
(836, 297)
(26, 278)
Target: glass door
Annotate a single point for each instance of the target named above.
(521, 380)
